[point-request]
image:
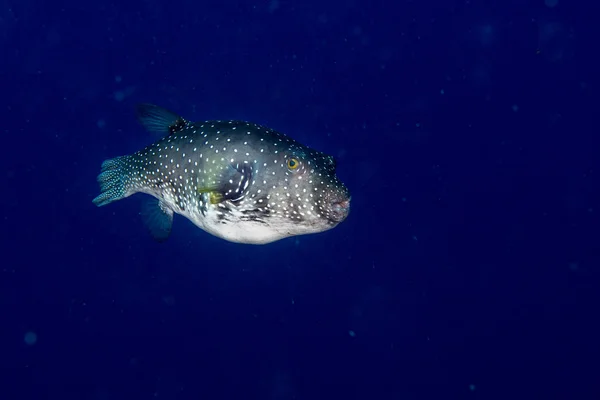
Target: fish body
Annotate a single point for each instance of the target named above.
(236, 180)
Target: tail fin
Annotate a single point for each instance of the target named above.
(114, 181)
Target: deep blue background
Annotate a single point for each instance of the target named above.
(465, 130)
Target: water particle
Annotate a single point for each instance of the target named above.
(30, 338)
(352, 333)
(574, 266)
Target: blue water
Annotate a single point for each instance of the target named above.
(466, 132)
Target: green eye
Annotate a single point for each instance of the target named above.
(293, 163)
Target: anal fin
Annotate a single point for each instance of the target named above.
(158, 218)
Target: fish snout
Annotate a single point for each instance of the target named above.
(340, 209)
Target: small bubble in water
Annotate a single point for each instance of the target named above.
(30, 338)
(573, 266)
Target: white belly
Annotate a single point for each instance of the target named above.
(238, 230)
(250, 232)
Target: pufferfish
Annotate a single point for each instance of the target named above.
(236, 180)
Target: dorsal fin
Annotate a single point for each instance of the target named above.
(158, 119)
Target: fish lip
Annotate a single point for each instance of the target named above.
(339, 210)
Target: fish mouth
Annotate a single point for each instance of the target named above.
(339, 210)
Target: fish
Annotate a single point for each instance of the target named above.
(236, 180)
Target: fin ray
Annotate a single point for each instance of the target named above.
(113, 180)
(158, 119)
(158, 218)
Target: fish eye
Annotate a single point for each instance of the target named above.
(293, 163)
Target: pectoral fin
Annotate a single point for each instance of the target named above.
(232, 185)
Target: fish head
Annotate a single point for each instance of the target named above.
(303, 192)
